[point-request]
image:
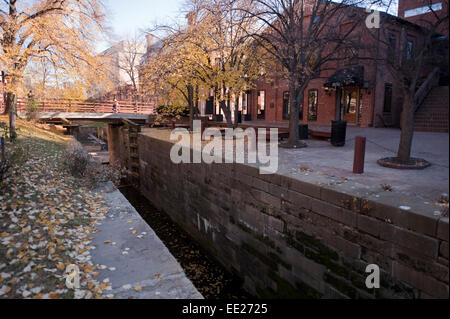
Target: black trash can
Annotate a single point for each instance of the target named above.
(219, 118)
(247, 117)
(303, 131)
(338, 133)
(239, 117)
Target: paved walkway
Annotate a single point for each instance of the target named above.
(323, 164)
(137, 264)
(322, 157)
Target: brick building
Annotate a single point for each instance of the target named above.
(424, 12)
(360, 89)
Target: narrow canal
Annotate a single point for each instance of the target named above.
(210, 278)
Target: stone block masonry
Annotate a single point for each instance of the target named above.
(289, 238)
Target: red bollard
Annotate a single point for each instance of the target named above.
(360, 153)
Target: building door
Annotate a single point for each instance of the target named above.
(209, 109)
(350, 105)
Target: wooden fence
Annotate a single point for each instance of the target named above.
(70, 105)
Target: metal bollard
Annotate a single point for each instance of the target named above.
(360, 154)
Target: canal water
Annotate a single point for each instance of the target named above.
(210, 278)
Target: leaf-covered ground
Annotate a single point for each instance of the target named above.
(47, 220)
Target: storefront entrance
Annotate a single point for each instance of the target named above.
(349, 105)
(348, 83)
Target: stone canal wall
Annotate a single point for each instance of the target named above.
(118, 145)
(295, 239)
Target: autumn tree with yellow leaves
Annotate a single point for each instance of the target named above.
(60, 33)
(213, 53)
(174, 72)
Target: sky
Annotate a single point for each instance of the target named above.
(128, 16)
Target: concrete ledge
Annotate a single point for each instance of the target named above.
(261, 225)
(143, 262)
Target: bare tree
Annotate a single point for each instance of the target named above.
(236, 61)
(174, 70)
(416, 66)
(304, 36)
(129, 60)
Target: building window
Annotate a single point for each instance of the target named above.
(392, 43)
(351, 101)
(409, 50)
(387, 98)
(313, 99)
(286, 110)
(261, 105)
(244, 103)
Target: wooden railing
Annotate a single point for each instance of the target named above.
(79, 106)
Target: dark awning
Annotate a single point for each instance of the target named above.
(348, 77)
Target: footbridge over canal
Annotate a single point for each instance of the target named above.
(132, 122)
(114, 118)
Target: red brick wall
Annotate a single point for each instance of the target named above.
(326, 103)
(427, 18)
(371, 55)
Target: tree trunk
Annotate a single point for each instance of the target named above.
(191, 107)
(5, 99)
(236, 113)
(225, 106)
(11, 105)
(135, 100)
(293, 116)
(407, 129)
(196, 109)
